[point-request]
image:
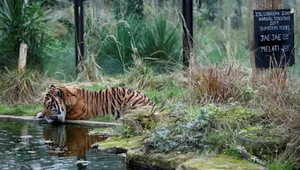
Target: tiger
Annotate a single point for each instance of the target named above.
(74, 103)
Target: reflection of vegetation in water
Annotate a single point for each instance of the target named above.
(12, 127)
(69, 140)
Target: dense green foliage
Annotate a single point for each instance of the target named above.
(159, 44)
(22, 21)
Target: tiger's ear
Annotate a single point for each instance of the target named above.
(52, 86)
(59, 93)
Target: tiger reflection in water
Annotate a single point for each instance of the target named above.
(66, 140)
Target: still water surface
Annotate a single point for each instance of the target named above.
(38, 146)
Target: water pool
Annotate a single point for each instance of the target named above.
(40, 146)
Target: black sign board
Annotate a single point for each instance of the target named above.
(274, 38)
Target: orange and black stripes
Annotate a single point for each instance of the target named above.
(83, 104)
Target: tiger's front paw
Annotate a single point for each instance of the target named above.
(39, 115)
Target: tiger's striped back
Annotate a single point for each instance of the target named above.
(113, 101)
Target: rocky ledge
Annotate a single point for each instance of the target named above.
(9, 118)
(135, 154)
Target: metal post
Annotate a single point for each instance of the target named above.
(79, 43)
(187, 10)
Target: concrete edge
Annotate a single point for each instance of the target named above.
(32, 119)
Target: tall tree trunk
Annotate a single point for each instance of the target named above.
(187, 11)
(79, 31)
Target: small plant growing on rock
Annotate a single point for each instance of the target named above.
(137, 121)
(183, 133)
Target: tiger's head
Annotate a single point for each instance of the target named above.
(54, 107)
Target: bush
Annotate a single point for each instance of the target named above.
(184, 132)
(157, 43)
(161, 44)
(21, 21)
(120, 42)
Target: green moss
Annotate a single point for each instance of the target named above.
(263, 133)
(264, 140)
(234, 110)
(125, 143)
(219, 162)
(102, 131)
(160, 160)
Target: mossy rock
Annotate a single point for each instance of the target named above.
(219, 162)
(120, 145)
(157, 160)
(262, 140)
(233, 115)
(145, 115)
(143, 118)
(136, 155)
(106, 132)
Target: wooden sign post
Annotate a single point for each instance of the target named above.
(22, 57)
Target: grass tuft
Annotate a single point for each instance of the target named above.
(20, 110)
(19, 87)
(218, 84)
